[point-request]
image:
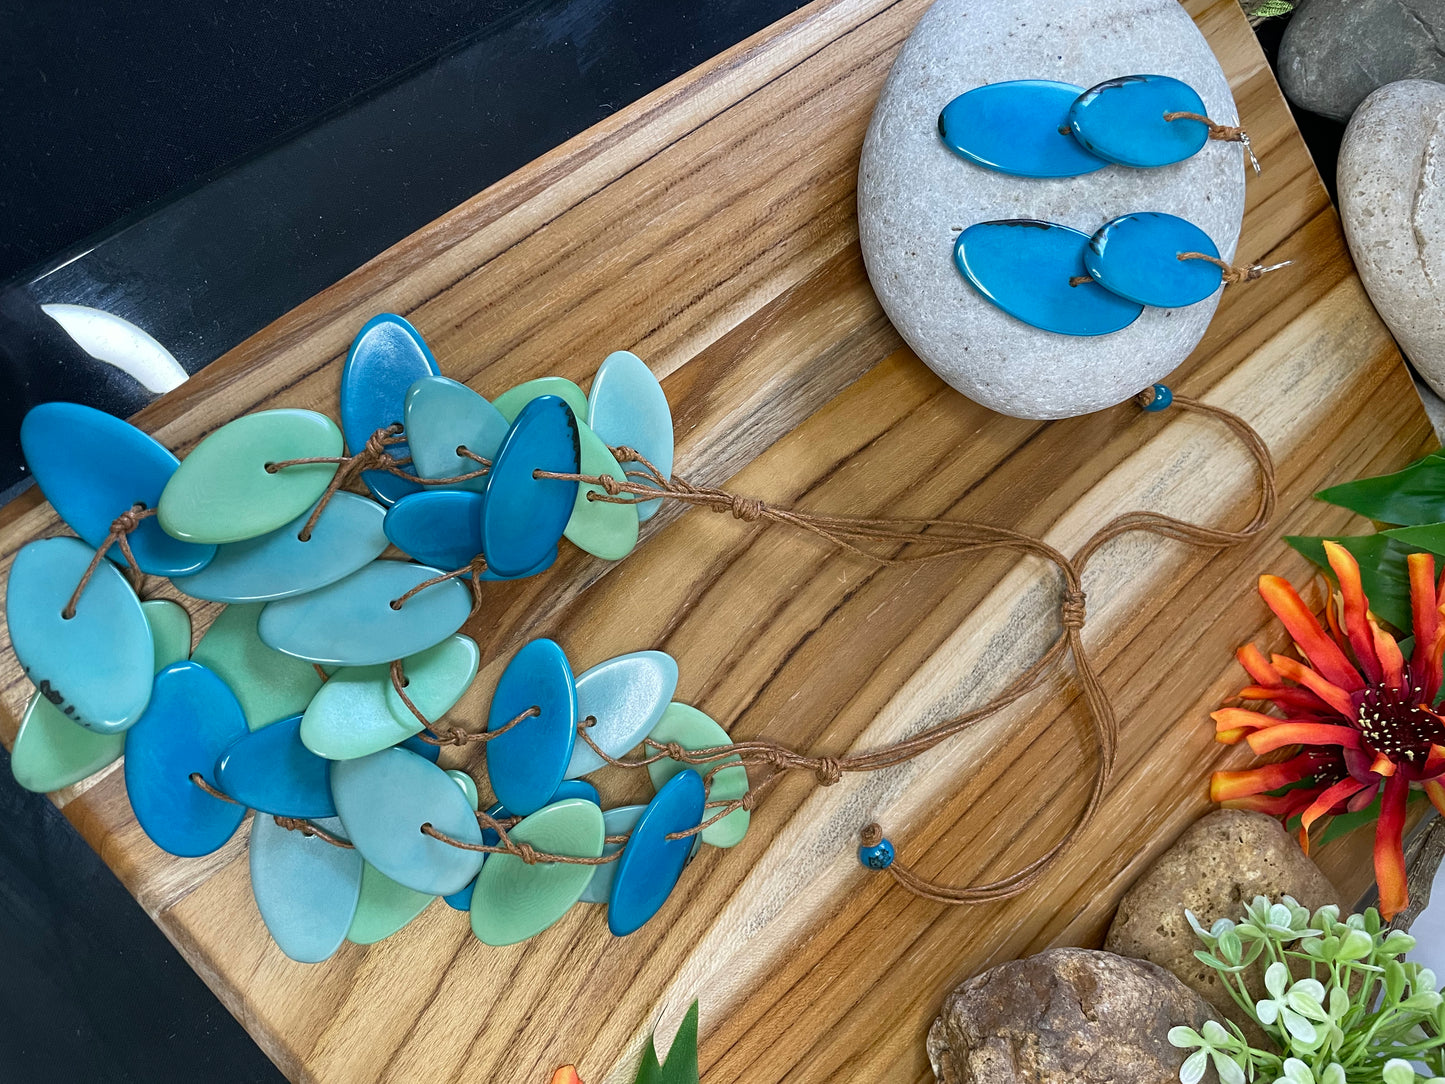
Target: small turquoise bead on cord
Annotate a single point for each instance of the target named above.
(878, 857)
(1156, 399)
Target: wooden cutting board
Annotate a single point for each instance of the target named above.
(710, 228)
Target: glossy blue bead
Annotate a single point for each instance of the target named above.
(305, 888)
(92, 467)
(878, 856)
(347, 536)
(272, 772)
(386, 358)
(1163, 399)
(352, 622)
(1137, 257)
(576, 788)
(1122, 120)
(526, 765)
(1020, 127)
(384, 799)
(626, 406)
(617, 821)
(1024, 267)
(523, 517)
(441, 528)
(651, 863)
(626, 696)
(442, 415)
(95, 667)
(193, 717)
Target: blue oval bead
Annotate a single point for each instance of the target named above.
(95, 667)
(1020, 127)
(384, 799)
(1163, 399)
(305, 888)
(523, 517)
(352, 622)
(442, 415)
(272, 772)
(193, 717)
(461, 899)
(92, 467)
(575, 788)
(617, 821)
(421, 748)
(442, 528)
(651, 863)
(526, 765)
(386, 358)
(1137, 256)
(347, 535)
(1024, 267)
(1122, 120)
(627, 407)
(626, 696)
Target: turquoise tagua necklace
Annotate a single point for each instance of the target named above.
(313, 697)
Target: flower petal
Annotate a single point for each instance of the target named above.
(1304, 628)
(1276, 805)
(1257, 666)
(1328, 800)
(1435, 791)
(1392, 662)
(1425, 616)
(1277, 737)
(1317, 683)
(1390, 847)
(1226, 786)
(1288, 698)
(1357, 607)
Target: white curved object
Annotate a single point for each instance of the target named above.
(119, 343)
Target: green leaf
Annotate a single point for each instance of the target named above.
(1383, 571)
(681, 1067)
(1409, 497)
(649, 1072)
(1348, 822)
(1429, 537)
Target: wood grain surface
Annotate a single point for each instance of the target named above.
(711, 229)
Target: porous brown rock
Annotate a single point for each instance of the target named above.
(1218, 865)
(1064, 1016)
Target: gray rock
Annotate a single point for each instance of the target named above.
(1335, 52)
(1065, 1016)
(914, 195)
(1391, 170)
(1219, 864)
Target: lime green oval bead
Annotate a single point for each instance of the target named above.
(383, 908)
(602, 528)
(222, 491)
(52, 751)
(692, 729)
(170, 630)
(511, 401)
(357, 712)
(269, 685)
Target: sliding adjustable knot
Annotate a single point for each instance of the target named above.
(829, 771)
(1226, 133)
(625, 453)
(128, 520)
(674, 750)
(610, 484)
(1073, 610)
(526, 853)
(376, 444)
(876, 852)
(1231, 275)
(747, 509)
(295, 824)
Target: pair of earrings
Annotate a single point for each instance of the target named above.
(1063, 280)
(1039, 128)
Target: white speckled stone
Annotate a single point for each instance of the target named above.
(1390, 174)
(914, 195)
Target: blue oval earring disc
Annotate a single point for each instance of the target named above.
(1137, 256)
(92, 467)
(1123, 120)
(523, 517)
(651, 863)
(1020, 127)
(527, 764)
(1024, 268)
(386, 358)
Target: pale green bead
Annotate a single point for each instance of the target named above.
(468, 785)
(170, 630)
(692, 729)
(269, 684)
(603, 528)
(511, 401)
(383, 908)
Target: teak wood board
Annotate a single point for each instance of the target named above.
(711, 228)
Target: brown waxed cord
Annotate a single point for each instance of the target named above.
(119, 535)
(1229, 274)
(1227, 133)
(199, 780)
(851, 534)
(473, 568)
(455, 735)
(306, 828)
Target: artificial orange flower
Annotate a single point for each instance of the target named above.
(566, 1075)
(1359, 715)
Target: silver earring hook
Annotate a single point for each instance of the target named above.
(1249, 150)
